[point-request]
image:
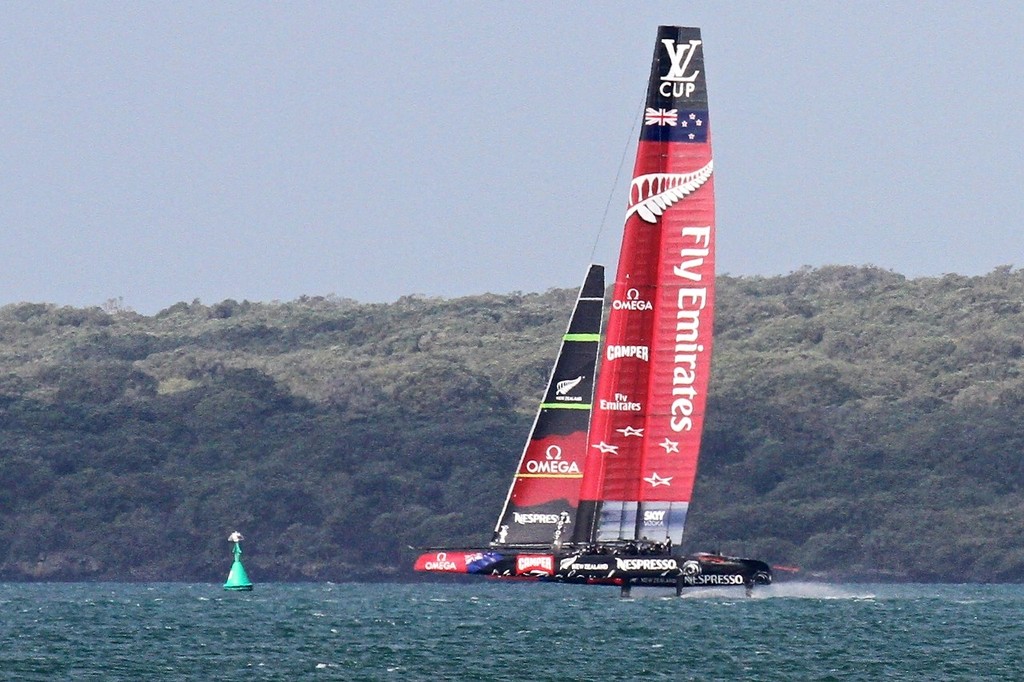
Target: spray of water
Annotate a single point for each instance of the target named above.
(786, 590)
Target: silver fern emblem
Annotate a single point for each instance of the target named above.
(563, 387)
(651, 194)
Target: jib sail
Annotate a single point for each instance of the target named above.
(542, 502)
(649, 402)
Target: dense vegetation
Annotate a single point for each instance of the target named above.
(861, 425)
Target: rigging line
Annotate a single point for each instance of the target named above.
(615, 183)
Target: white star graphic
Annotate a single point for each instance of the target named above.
(630, 431)
(607, 449)
(670, 446)
(655, 480)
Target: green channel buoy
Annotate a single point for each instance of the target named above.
(238, 579)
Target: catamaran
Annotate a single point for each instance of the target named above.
(602, 489)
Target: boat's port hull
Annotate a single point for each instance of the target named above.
(698, 570)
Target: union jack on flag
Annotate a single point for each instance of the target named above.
(661, 117)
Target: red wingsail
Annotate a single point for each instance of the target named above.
(649, 403)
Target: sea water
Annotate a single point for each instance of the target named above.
(509, 631)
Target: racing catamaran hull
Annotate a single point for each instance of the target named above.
(584, 568)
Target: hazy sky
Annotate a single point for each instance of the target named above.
(163, 152)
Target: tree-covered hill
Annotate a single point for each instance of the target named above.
(860, 425)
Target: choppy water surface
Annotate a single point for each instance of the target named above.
(488, 630)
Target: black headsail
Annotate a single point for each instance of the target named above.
(540, 509)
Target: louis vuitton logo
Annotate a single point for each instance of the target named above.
(677, 82)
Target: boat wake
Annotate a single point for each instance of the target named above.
(788, 590)
(808, 590)
(799, 590)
